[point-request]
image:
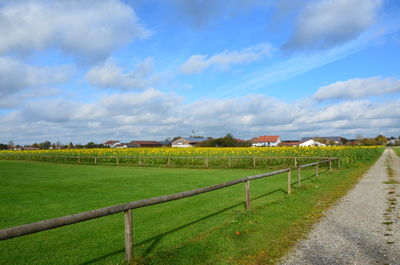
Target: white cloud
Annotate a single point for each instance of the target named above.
(110, 75)
(358, 88)
(16, 77)
(198, 63)
(152, 114)
(326, 23)
(87, 29)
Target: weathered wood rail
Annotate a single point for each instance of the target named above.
(127, 208)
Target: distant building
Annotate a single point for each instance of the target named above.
(187, 142)
(133, 144)
(266, 141)
(335, 140)
(311, 142)
(120, 146)
(290, 143)
(165, 143)
(112, 143)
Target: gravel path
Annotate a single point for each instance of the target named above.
(363, 228)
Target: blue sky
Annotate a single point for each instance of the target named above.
(85, 71)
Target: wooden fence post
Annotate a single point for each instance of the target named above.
(330, 166)
(116, 160)
(295, 162)
(206, 161)
(140, 161)
(254, 162)
(169, 162)
(289, 182)
(95, 160)
(338, 162)
(247, 187)
(298, 177)
(316, 170)
(229, 162)
(128, 235)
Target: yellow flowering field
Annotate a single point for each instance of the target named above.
(239, 156)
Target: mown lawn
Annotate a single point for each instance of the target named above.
(196, 230)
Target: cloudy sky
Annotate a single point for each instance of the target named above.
(92, 70)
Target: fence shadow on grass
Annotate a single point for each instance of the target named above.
(155, 240)
(311, 176)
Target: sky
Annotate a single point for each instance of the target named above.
(87, 70)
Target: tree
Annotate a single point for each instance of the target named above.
(380, 140)
(91, 145)
(45, 145)
(175, 138)
(227, 141)
(3, 146)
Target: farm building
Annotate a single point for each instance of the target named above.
(311, 142)
(144, 144)
(187, 142)
(266, 141)
(329, 140)
(290, 143)
(112, 143)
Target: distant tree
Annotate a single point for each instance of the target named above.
(70, 145)
(45, 145)
(227, 141)
(3, 146)
(10, 144)
(175, 138)
(91, 145)
(368, 141)
(35, 145)
(381, 140)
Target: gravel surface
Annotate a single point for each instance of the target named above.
(363, 228)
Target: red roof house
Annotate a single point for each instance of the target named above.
(266, 140)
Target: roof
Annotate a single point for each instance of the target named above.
(329, 138)
(290, 143)
(111, 142)
(265, 138)
(144, 142)
(197, 140)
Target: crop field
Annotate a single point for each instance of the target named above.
(211, 228)
(238, 157)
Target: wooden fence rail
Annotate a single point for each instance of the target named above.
(127, 208)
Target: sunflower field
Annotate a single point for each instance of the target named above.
(224, 157)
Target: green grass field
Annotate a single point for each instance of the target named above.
(195, 230)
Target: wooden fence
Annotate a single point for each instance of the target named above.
(149, 160)
(127, 208)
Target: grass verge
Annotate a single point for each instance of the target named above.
(212, 228)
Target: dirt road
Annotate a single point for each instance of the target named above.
(363, 228)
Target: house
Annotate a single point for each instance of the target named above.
(187, 142)
(311, 142)
(112, 143)
(330, 140)
(290, 143)
(144, 144)
(120, 146)
(266, 140)
(165, 143)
